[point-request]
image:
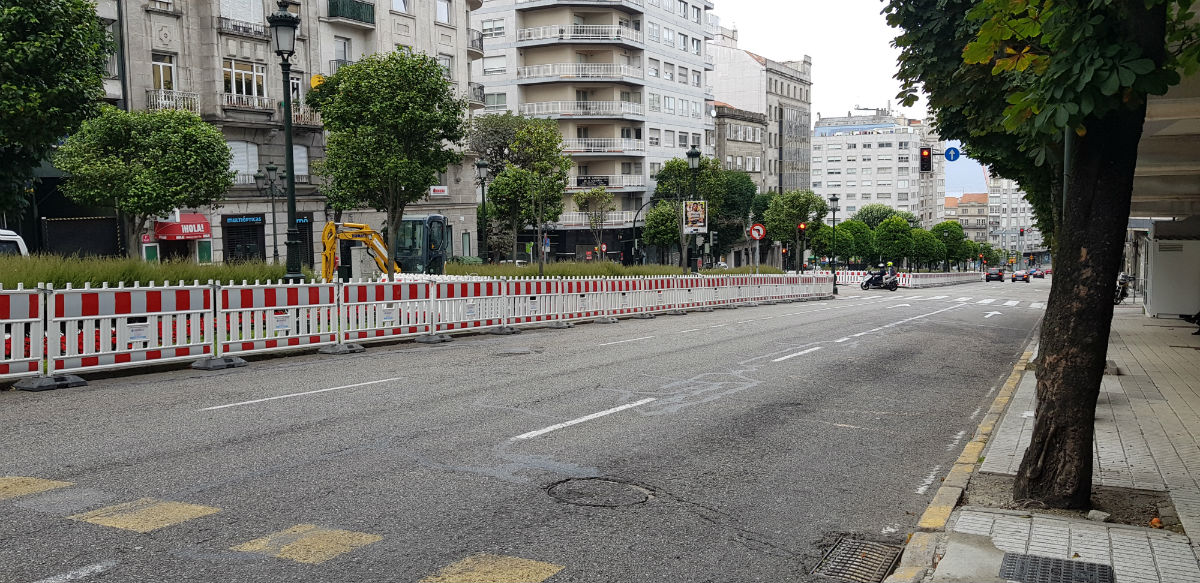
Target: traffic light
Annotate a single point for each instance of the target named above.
(1022, 231)
(926, 159)
(803, 227)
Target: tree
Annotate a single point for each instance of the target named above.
(732, 218)
(53, 60)
(758, 208)
(508, 194)
(864, 240)
(950, 233)
(993, 256)
(1054, 77)
(393, 121)
(146, 164)
(662, 225)
(971, 250)
(893, 238)
(927, 247)
(539, 174)
(787, 210)
(821, 241)
(679, 182)
(873, 214)
(491, 138)
(596, 204)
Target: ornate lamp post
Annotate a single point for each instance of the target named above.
(481, 172)
(833, 206)
(283, 32)
(268, 183)
(693, 159)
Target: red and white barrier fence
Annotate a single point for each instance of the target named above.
(912, 280)
(383, 310)
(21, 312)
(258, 318)
(474, 305)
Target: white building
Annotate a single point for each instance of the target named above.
(867, 159)
(1008, 215)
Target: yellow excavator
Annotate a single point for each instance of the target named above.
(423, 245)
(369, 237)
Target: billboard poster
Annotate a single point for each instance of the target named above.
(695, 217)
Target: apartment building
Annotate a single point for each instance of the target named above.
(1010, 215)
(626, 80)
(739, 141)
(214, 58)
(875, 158)
(971, 212)
(781, 90)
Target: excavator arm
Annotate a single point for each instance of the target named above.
(334, 232)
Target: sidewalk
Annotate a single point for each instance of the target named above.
(1147, 437)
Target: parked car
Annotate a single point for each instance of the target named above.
(1021, 275)
(994, 274)
(12, 243)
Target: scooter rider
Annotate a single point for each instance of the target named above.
(877, 278)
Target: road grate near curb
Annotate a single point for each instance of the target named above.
(1034, 569)
(858, 561)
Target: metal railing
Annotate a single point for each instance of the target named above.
(579, 32)
(159, 99)
(581, 219)
(579, 71)
(247, 101)
(634, 2)
(244, 178)
(475, 92)
(336, 64)
(603, 145)
(474, 39)
(305, 116)
(257, 29)
(352, 9)
(583, 108)
(576, 182)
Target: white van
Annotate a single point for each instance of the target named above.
(12, 244)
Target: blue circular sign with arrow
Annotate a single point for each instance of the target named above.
(952, 154)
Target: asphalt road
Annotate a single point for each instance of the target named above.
(726, 446)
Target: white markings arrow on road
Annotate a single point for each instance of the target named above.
(990, 314)
(900, 306)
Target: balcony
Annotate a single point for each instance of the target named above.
(475, 95)
(636, 6)
(580, 32)
(243, 28)
(256, 102)
(603, 146)
(160, 99)
(336, 64)
(583, 109)
(353, 12)
(709, 63)
(303, 115)
(610, 181)
(612, 220)
(474, 44)
(579, 71)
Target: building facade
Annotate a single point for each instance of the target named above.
(739, 141)
(1011, 221)
(626, 80)
(971, 212)
(780, 90)
(868, 159)
(214, 58)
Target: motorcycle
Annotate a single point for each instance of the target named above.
(886, 281)
(1122, 289)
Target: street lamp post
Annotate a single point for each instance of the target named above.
(946, 244)
(635, 232)
(693, 159)
(283, 32)
(481, 170)
(269, 183)
(833, 206)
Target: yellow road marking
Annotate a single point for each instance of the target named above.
(939, 510)
(494, 569)
(14, 486)
(145, 515)
(308, 543)
(971, 452)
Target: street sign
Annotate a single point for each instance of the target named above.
(145, 237)
(952, 154)
(757, 232)
(604, 247)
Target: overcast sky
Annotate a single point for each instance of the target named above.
(854, 63)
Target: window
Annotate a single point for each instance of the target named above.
(668, 36)
(655, 102)
(655, 167)
(300, 160)
(835, 158)
(884, 145)
(738, 161)
(903, 196)
(245, 157)
(341, 48)
(696, 46)
(816, 159)
(696, 140)
(668, 137)
(447, 63)
(495, 65)
(851, 184)
(883, 170)
(902, 145)
(903, 158)
(495, 100)
(443, 11)
(851, 146)
(652, 31)
(729, 162)
(683, 42)
(901, 184)
(655, 136)
(866, 158)
(493, 28)
(695, 78)
(652, 69)
(852, 171)
(668, 72)
(758, 163)
(162, 72)
(696, 14)
(815, 184)
(244, 10)
(683, 139)
(683, 75)
(681, 8)
(296, 83)
(866, 196)
(816, 147)
(400, 5)
(851, 196)
(866, 183)
(884, 157)
(866, 146)
(683, 107)
(851, 209)
(244, 78)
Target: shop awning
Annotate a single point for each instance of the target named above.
(190, 226)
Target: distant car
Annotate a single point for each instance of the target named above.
(1048, 271)
(1021, 275)
(12, 243)
(1035, 272)
(994, 274)
(722, 265)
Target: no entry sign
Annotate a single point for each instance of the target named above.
(757, 232)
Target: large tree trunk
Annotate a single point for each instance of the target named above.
(133, 229)
(1057, 467)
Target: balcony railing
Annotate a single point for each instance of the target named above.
(159, 99)
(603, 145)
(352, 9)
(336, 64)
(634, 2)
(235, 100)
(607, 181)
(475, 92)
(611, 219)
(474, 39)
(583, 108)
(305, 116)
(709, 61)
(587, 32)
(256, 29)
(244, 178)
(579, 71)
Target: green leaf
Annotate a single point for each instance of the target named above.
(1140, 66)
(1110, 84)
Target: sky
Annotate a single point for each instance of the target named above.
(853, 61)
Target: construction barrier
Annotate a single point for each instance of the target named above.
(24, 331)
(259, 318)
(384, 310)
(105, 328)
(532, 301)
(474, 305)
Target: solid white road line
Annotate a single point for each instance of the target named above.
(691, 330)
(288, 396)
(813, 349)
(78, 574)
(841, 340)
(1011, 303)
(987, 301)
(624, 341)
(556, 426)
(939, 297)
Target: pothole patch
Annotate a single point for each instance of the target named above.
(601, 492)
(519, 351)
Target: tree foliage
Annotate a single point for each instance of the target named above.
(53, 58)
(821, 241)
(893, 239)
(874, 214)
(950, 233)
(927, 247)
(787, 210)
(662, 224)
(596, 203)
(146, 164)
(864, 240)
(676, 181)
(491, 138)
(732, 218)
(393, 121)
(758, 208)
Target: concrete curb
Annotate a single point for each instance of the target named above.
(919, 554)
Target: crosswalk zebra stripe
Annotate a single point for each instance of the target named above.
(1011, 303)
(987, 301)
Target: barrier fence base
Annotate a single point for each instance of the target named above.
(704, 309)
(433, 338)
(219, 363)
(726, 307)
(642, 316)
(560, 325)
(751, 304)
(676, 312)
(61, 381)
(605, 320)
(504, 331)
(341, 349)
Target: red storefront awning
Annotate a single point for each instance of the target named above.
(190, 226)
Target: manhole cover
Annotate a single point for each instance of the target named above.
(859, 561)
(1034, 569)
(598, 492)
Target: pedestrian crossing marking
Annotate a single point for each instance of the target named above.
(308, 543)
(962, 299)
(494, 569)
(15, 486)
(1011, 303)
(1036, 305)
(987, 301)
(145, 515)
(939, 297)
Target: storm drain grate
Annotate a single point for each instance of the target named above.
(859, 561)
(1033, 569)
